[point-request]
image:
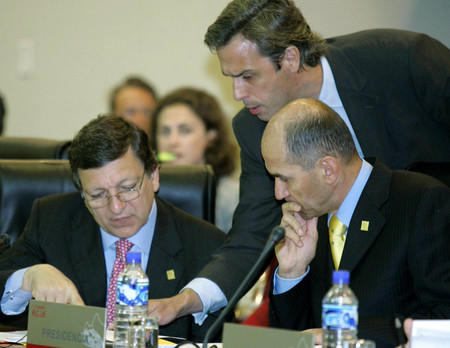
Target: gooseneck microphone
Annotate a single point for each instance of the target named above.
(275, 237)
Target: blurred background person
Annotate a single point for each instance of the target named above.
(134, 99)
(188, 127)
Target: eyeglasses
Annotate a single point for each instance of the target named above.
(123, 196)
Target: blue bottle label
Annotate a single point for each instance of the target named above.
(132, 294)
(335, 317)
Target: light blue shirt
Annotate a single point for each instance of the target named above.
(15, 300)
(330, 96)
(344, 214)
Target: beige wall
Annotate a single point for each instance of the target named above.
(81, 48)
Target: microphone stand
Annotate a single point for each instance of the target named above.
(276, 235)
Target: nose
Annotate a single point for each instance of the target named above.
(174, 139)
(115, 205)
(281, 191)
(238, 89)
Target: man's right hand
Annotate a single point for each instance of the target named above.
(298, 248)
(47, 283)
(169, 309)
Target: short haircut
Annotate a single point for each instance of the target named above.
(273, 25)
(105, 139)
(317, 131)
(131, 81)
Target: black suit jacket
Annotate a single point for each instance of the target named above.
(395, 88)
(63, 233)
(401, 265)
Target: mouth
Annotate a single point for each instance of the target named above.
(255, 110)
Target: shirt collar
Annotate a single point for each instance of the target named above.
(329, 94)
(142, 239)
(345, 212)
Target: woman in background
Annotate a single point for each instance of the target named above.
(189, 127)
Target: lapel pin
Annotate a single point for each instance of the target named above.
(364, 225)
(170, 274)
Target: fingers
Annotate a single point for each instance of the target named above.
(47, 283)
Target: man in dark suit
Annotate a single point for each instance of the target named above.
(391, 88)
(396, 234)
(67, 250)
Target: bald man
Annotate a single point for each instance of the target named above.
(397, 227)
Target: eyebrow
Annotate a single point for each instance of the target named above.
(99, 189)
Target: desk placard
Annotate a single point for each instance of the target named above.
(62, 325)
(236, 335)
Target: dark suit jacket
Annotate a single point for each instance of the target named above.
(395, 88)
(401, 265)
(63, 233)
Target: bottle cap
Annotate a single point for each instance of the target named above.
(341, 277)
(133, 257)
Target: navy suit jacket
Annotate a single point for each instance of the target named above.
(395, 88)
(400, 265)
(62, 232)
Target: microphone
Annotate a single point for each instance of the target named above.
(275, 237)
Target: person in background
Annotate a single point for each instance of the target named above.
(189, 127)
(391, 87)
(395, 234)
(134, 99)
(67, 251)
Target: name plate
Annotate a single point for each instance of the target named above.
(235, 335)
(62, 325)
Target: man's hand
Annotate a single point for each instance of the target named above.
(169, 309)
(298, 248)
(47, 283)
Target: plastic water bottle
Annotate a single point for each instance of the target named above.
(340, 313)
(131, 300)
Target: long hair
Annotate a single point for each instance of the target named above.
(221, 153)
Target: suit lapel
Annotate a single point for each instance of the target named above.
(164, 276)
(362, 108)
(367, 220)
(87, 257)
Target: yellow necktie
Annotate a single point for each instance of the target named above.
(337, 239)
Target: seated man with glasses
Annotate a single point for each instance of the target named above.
(67, 251)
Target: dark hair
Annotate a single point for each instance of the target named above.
(273, 25)
(317, 131)
(105, 139)
(222, 152)
(131, 81)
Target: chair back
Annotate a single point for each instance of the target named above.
(190, 188)
(33, 148)
(440, 171)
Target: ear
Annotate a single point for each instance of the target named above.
(211, 135)
(329, 168)
(291, 59)
(155, 179)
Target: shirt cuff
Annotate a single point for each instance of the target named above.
(14, 300)
(281, 285)
(211, 296)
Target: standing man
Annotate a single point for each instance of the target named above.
(134, 99)
(391, 88)
(395, 235)
(67, 252)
